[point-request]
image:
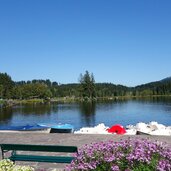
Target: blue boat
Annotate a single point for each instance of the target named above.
(23, 128)
(58, 128)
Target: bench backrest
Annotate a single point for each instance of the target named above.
(47, 148)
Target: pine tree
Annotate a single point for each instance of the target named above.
(6, 85)
(87, 86)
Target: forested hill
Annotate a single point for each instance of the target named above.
(162, 87)
(46, 89)
(166, 79)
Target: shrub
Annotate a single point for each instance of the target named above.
(8, 165)
(126, 155)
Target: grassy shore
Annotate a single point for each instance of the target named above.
(12, 102)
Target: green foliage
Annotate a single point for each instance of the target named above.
(162, 87)
(8, 165)
(86, 89)
(6, 85)
(87, 86)
(110, 90)
(1, 90)
(30, 91)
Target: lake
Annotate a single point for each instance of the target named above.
(122, 112)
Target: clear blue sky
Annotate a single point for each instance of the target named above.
(120, 41)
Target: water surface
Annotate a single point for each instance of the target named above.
(124, 112)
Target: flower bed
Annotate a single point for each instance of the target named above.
(126, 155)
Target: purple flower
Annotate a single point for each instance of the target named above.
(115, 168)
(164, 165)
(124, 155)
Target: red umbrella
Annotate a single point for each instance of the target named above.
(118, 129)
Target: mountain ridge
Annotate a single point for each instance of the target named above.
(166, 79)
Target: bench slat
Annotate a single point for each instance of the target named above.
(48, 148)
(52, 159)
(39, 148)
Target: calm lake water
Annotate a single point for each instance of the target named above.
(80, 115)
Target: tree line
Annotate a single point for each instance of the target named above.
(85, 89)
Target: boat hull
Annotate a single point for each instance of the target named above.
(24, 128)
(59, 128)
(56, 130)
(46, 128)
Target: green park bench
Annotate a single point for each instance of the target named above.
(62, 153)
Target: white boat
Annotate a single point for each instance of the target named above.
(152, 128)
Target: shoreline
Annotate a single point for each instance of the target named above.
(68, 99)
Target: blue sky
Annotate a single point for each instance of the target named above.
(120, 41)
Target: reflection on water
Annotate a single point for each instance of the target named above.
(5, 114)
(90, 114)
(87, 112)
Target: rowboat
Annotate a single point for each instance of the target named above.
(24, 128)
(58, 128)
